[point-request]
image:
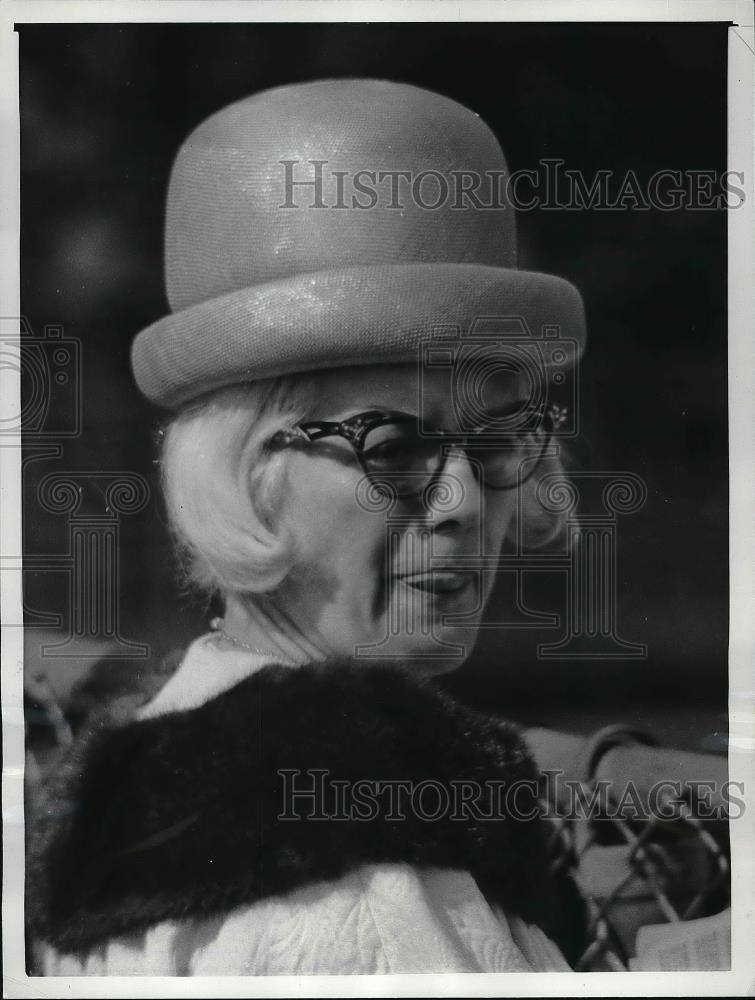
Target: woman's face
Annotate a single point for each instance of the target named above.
(381, 579)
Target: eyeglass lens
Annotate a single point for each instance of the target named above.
(407, 460)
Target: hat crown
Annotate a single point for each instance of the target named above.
(332, 174)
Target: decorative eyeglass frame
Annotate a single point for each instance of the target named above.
(355, 429)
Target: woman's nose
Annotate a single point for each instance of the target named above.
(454, 493)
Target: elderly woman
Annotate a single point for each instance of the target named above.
(300, 797)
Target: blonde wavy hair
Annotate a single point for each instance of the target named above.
(222, 487)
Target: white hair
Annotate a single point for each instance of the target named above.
(222, 487)
(220, 484)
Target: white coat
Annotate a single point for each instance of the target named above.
(377, 918)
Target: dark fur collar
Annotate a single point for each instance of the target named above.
(178, 816)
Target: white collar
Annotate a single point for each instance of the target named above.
(206, 670)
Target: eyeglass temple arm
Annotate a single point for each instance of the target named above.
(313, 430)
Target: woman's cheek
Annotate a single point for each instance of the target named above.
(333, 532)
(497, 516)
(312, 504)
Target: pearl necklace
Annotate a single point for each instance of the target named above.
(216, 625)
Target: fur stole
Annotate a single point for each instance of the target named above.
(191, 814)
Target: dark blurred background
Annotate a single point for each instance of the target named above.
(103, 111)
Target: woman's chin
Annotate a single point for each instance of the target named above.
(432, 627)
(446, 648)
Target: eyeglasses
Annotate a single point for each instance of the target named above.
(394, 453)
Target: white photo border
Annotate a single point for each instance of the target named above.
(741, 979)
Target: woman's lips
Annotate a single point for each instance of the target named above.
(439, 581)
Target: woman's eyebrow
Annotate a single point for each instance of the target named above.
(502, 410)
(388, 410)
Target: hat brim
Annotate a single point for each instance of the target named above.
(378, 314)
